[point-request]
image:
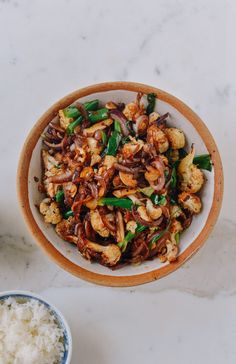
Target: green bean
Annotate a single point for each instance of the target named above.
(59, 197)
(104, 137)
(67, 214)
(151, 103)
(89, 106)
(99, 115)
(71, 127)
(158, 199)
(71, 112)
(117, 126)
(113, 143)
(125, 203)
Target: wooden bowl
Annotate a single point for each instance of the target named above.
(67, 256)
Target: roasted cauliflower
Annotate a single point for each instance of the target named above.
(158, 138)
(190, 202)
(109, 254)
(176, 138)
(50, 211)
(191, 177)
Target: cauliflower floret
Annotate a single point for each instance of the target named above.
(95, 159)
(64, 121)
(51, 169)
(153, 212)
(175, 227)
(50, 211)
(172, 248)
(176, 138)
(172, 244)
(110, 254)
(152, 174)
(109, 160)
(98, 126)
(87, 173)
(70, 190)
(95, 150)
(110, 105)
(175, 211)
(153, 117)
(124, 192)
(65, 229)
(190, 202)
(157, 137)
(97, 224)
(141, 124)
(49, 162)
(92, 204)
(131, 226)
(128, 179)
(191, 177)
(172, 251)
(143, 213)
(131, 110)
(131, 148)
(80, 154)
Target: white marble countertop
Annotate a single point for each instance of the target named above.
(49, 48)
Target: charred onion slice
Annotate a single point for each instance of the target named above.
(121, 118)
(111, 226)
(61, 178)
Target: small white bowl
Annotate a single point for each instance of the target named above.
(60, 319)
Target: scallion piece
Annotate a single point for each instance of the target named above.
(203, 162)
(129, 236)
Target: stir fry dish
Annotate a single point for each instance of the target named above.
(119, 182)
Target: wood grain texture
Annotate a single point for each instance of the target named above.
(51, 251)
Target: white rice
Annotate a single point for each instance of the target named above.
(29, 333)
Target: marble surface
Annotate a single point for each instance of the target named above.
(49, 48)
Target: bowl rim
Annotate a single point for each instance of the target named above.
(44, 243)
(38, 297)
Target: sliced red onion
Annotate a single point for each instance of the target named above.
(125, 169)
(82, 110)
(121, 118)
(159, 185)
(61, 178)
(142, 121)
(57, 127)
(158, 164)
(160, 243)
(89, 232)
(139, 250)
(109, 225)
(93, 188)
(120, 231)
(55, 146)
(131, 162)
(138, 98)
(162, 119)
